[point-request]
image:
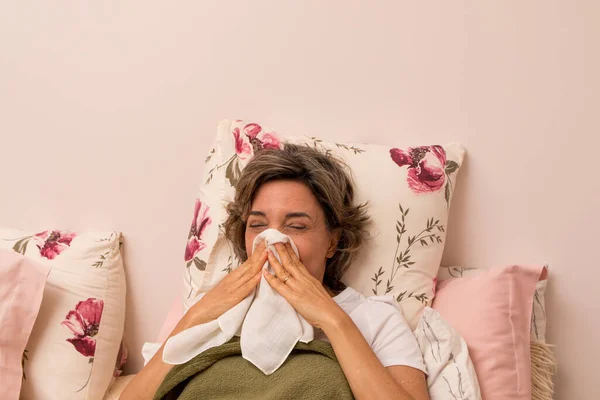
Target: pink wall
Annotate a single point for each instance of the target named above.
(108, 108)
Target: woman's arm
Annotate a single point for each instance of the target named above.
(367, 377)
(229, 292)
(147, 381)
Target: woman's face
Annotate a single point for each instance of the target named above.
(291, 208)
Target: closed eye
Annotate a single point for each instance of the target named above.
(257, 225)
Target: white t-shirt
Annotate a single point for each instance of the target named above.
(380, 320)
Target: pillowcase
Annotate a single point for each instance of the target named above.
(543, 362)
(408, 202)
(173, 318)
(450, 372)
(492, 312)
(538, 312)
(75, 342)
(21, 291)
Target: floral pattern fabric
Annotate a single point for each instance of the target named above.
(195, 243)
(450, 371)
(428, 168)
(49, 243)
(84, 322)
(74, 345)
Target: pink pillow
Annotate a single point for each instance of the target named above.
(22, 282)
(173, 318)
(492, 312)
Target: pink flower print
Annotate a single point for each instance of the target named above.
(84, 322)
(253, 139)
(252, 130)
(42, 235)
(121, 360)
(242, 148)
(425, 167)
(260, 139)
(55, 242)
(194, 245)
(270, 141)
(199, 224)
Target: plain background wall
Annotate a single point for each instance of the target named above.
(107, 108)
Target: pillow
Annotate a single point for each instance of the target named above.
(450, 372)
(21, 291)
(492, 312)
(122, 357)
(538, 312)
(75, 341)
(174, 316)
(543, 362)
(408, 202)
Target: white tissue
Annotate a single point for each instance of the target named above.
(268, 325)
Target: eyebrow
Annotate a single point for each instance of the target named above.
(296, 214)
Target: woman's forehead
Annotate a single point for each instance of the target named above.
(284, 197)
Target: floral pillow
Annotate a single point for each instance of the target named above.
(76, 338)
(408, 202)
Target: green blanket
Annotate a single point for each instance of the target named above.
(310, 372)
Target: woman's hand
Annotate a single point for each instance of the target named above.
(235, 287)
(303, 291)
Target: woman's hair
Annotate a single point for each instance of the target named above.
(330, 182)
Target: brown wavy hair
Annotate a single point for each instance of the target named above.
(331, 183)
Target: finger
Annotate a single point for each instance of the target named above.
(247, 287)
(257, 253)
(249, 269)
(261, 246)
(285, 257)
(279, 287)
(281, 272)
(257, 264)
(255, 256)
(295, 261)
(293, 257)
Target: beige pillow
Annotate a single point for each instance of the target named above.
(73, 348)
(408, 190)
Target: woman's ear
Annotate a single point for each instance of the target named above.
(334, 239)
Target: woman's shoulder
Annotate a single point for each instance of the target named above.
(349, 300)
(377, 307)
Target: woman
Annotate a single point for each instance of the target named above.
(308, 196)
